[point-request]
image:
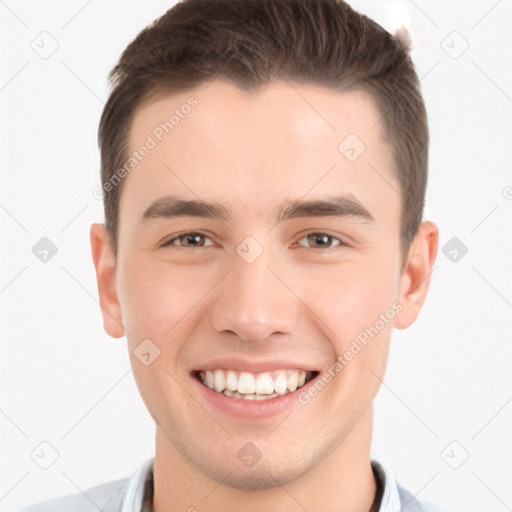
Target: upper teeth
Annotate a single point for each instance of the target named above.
(276, 382)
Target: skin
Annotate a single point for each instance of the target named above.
(298, 301)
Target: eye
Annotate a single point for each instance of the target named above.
(321, 241)
(188, 240)
(317, 240)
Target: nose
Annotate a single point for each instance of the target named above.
(253, 301)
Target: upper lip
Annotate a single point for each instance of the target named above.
(255, 365)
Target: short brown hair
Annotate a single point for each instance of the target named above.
(251, 42)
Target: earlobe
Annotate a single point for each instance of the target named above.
(105, 265)
(415, 278)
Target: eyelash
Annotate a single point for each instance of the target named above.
(321, 233)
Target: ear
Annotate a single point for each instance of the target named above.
(105, 265)
(415, 278)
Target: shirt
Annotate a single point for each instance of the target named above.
(135, 494)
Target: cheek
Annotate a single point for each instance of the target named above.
(155, 302)
(349, 297)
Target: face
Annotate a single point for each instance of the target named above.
(258, 275)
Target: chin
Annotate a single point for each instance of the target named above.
(259, 478)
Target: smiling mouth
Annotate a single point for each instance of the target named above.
(254, 386)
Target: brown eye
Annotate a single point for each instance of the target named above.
(188, 240)
(321, 241)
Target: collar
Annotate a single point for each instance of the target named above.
(140, 485)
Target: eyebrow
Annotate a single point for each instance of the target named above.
(339, 206)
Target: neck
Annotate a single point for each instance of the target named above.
(341, 481)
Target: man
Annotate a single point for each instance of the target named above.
(264, 166)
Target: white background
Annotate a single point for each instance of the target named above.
(64, 381)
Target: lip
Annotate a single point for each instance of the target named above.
(255, 366)
(241, 408)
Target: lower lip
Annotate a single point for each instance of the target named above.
(244, 408)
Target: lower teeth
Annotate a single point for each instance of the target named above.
(234, 394)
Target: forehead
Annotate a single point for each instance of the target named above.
(254, 148)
